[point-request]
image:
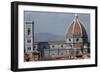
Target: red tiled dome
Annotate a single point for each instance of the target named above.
(76, 29)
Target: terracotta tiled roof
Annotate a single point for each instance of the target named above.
(56, 42)
(76, 29)
(52, 42)
(78, 45)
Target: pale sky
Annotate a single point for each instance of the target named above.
(55, 23)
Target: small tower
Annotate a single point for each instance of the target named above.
(28, 36)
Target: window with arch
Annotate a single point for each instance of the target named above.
(28, 31)
(29, 48)
(34, 46)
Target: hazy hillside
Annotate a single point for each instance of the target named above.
(47, 37)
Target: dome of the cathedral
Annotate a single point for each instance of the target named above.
(76, 29)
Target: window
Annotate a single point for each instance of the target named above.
(62, 46)
(29, 48)
(28, 31)
(77, 39)
(28, 41)
(34, 46)
(53, 46)
(69, 39)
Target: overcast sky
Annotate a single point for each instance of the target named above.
(55, 23)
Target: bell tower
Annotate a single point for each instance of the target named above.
(28, 36)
